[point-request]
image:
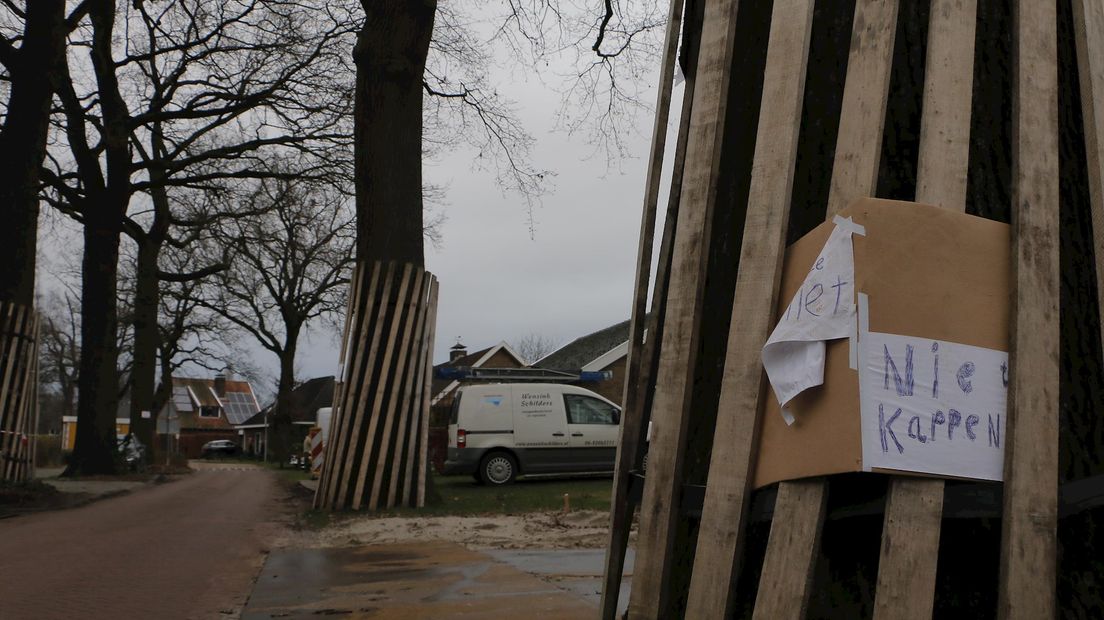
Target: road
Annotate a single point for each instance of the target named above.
(185, 549)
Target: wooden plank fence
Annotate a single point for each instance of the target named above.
(19, 327)
(702, 581)
(376, 452)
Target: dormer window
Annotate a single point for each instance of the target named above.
(208, 411)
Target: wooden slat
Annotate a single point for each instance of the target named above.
(411, 376)
(342, 437)
(854, 176)
(948, 88)
(910, 549)
(422, 379)
(367, 380)
(20, 448)
(632, 425)
(35, 420)
(720, 537)
(914, 506)
(423, 414)
(1088, 30)
(352, 311)
(371, 443)
(1029, 526)
(387, 449)
(862, 116)
(791, 550)
(678, 358)
(27, 397)
(337, 416)
(9, 377)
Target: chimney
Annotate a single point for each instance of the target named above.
(220, 385)
(457, 351)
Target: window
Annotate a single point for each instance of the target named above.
(454, 414)
(587, 410)
(208, 411)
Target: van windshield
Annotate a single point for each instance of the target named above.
(454, 415)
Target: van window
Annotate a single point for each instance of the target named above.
(587, 410)
(454, 415)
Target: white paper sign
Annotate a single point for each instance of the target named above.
(932, 406)
(823, 309)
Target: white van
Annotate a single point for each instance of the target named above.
(498, 432)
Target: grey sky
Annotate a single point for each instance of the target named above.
(573, 277)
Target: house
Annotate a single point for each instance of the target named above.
(443, 388)
(202, 410)
(306, 400)
(122, 424)
(69, 430)
(603, 351)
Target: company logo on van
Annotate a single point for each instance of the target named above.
(543, 399)
(493, 400)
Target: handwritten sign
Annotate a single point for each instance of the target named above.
(932, 406)
(822, 309)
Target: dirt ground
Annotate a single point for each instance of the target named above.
(583, 529)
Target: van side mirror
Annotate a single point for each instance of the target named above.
(616, 416)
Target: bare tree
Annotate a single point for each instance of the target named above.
(32, 46)
(193, 96)
(533, 347)
(59, 357)
(288, 266)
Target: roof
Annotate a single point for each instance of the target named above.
(607, 358)
(584, 350)
(442, 387)
(236, 404)
(306, 400)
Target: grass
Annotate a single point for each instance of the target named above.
(461, 495)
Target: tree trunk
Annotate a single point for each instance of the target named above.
(390, 56)
(143, 374)
(280, 440)
(98, 385)
(23, 142)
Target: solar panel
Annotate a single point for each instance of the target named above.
(181, 400)
(239, 406)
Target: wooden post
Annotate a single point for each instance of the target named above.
(678, 357)
(343, 439)
(854, 176)
(9, 376)
(381, 384)
(720, 537)
(352, 311)
(914, 506)
(632, 417)
(422, 471)
(412, 376)
(365, 379)
(1029, 526)
(421, 395)
(1088, 30)
(785, 583)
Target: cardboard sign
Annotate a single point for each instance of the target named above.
(931, 276)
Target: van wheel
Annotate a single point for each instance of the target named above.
(498, 468)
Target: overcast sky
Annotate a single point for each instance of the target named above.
(575, 274)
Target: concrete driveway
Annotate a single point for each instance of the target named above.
(431, 579)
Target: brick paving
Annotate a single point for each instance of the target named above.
(186, 549)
